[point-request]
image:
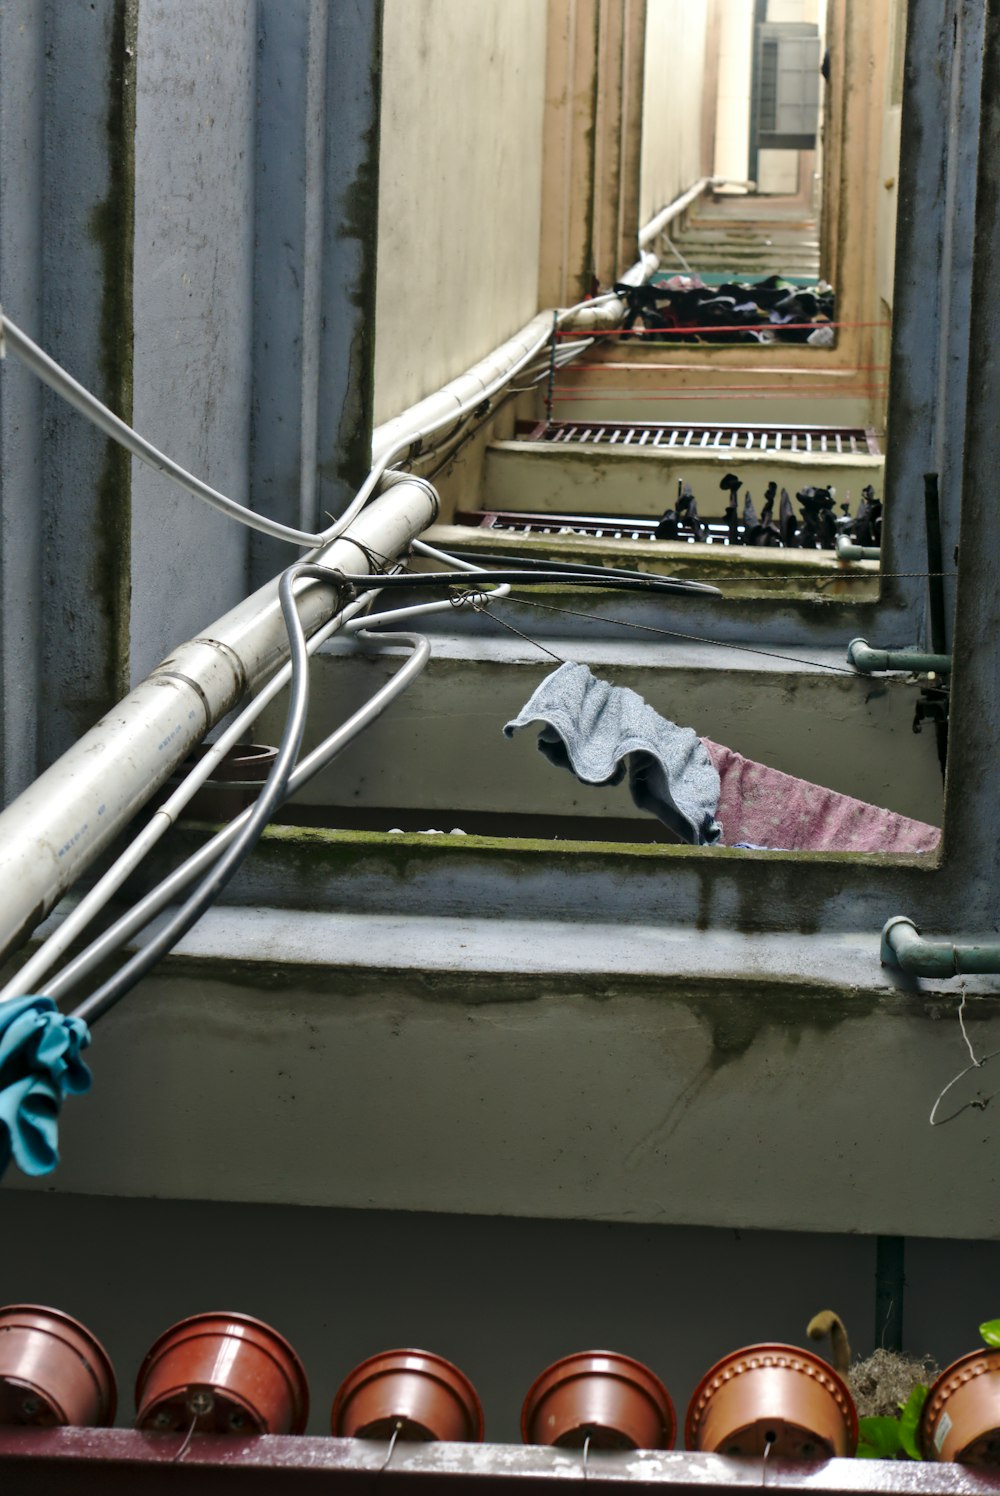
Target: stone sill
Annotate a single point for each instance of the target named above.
(112, 1460)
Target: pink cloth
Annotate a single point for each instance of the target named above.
(771, 809)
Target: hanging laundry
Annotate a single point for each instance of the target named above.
(40, 1065)
(683, 309)
(703, 791)
(765, 808)
(598, 731)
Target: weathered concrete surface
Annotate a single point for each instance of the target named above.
(606, 479)
(849, 732)
(538, 1068)
(740, 572)
(459, 188)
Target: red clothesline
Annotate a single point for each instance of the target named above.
(679, 332)
(734, 392)
(576, 367)
(604, 389)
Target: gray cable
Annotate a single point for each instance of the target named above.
(150, 906)
(270, 797)
(75, 394)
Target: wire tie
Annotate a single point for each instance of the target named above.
(392, 1445)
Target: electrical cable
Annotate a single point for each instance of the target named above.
(270, 797)
(585, 577)
(171, 886)
(80, 398)
(76, 395)
(164, 817)
(568, 568)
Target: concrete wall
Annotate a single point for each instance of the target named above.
(459, 188)
(672, 101)
(732, 121)
(187, 223)
(502, 1298)
(193, 274)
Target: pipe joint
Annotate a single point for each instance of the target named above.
(866, 660)
(848, 551)
(904, 947)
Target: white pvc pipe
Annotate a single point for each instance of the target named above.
(460, 397)
(166, 815)
(651, 230)
(56, 828)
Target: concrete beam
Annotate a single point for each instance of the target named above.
(575, 1068)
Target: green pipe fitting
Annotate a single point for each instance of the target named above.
(848, 551)
(865, 659)
(904, 947)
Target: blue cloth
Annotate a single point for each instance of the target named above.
(39, 1064)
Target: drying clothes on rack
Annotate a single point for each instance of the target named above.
(703, 791)
(597, 731)
(683, 309)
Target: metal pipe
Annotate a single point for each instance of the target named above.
(904, 947)
(56, 828)
(865, 659)
(848, 551)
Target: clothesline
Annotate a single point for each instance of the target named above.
(682, 332)
(740, 392)
(649, 628)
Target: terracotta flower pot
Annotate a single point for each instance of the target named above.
(52, 1370)
(414, 1394)
(226, 1374)
(613, 1401)
(775, 1395)
(234, 783)
(961, 1417)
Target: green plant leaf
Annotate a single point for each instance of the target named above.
(909, 1421)
(990, 1331)
(879, 1439)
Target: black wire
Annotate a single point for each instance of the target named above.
(770, 654)
(592, 577)
(569, 568)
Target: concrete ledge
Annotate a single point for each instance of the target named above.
(561, 1069)
(441, 746)
(58, 1460)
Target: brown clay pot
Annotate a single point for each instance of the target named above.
(776, 1395)
(961, 1417)
(413, 1394)
(234, 784)
(225, 1374)
(52, 1370)
(613, 1401)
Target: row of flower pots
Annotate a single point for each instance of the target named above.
(228, 1373)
